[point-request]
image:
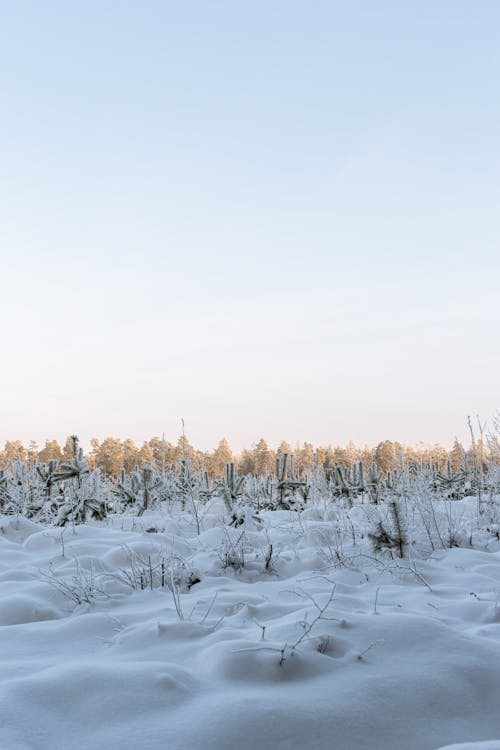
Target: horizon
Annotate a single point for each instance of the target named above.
(464, 438)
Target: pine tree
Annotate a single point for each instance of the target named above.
(385, 456)
(457, 454)
(246, 462)
(13, 450)
(284, 447)
(391, 533)
(68, 453)
(264, 458)
(130, 455)
(304, 458)
(50, 452)
(109, 456)
(221, 456)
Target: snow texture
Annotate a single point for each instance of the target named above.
(138, 633)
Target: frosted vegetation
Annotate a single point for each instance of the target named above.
(350, 607)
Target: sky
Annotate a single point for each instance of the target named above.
(275, 219)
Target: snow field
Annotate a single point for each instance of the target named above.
(257, 636)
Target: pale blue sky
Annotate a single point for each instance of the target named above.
(268, 218)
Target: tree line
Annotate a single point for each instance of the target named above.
(112, 455)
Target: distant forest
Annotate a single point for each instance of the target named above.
(113, 455)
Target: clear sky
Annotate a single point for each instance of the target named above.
(271, 218)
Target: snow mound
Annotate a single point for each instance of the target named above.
(115, 636)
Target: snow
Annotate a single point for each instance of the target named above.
(247, 637)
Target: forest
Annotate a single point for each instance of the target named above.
(112, 455)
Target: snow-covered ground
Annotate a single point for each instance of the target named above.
(285, 632)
